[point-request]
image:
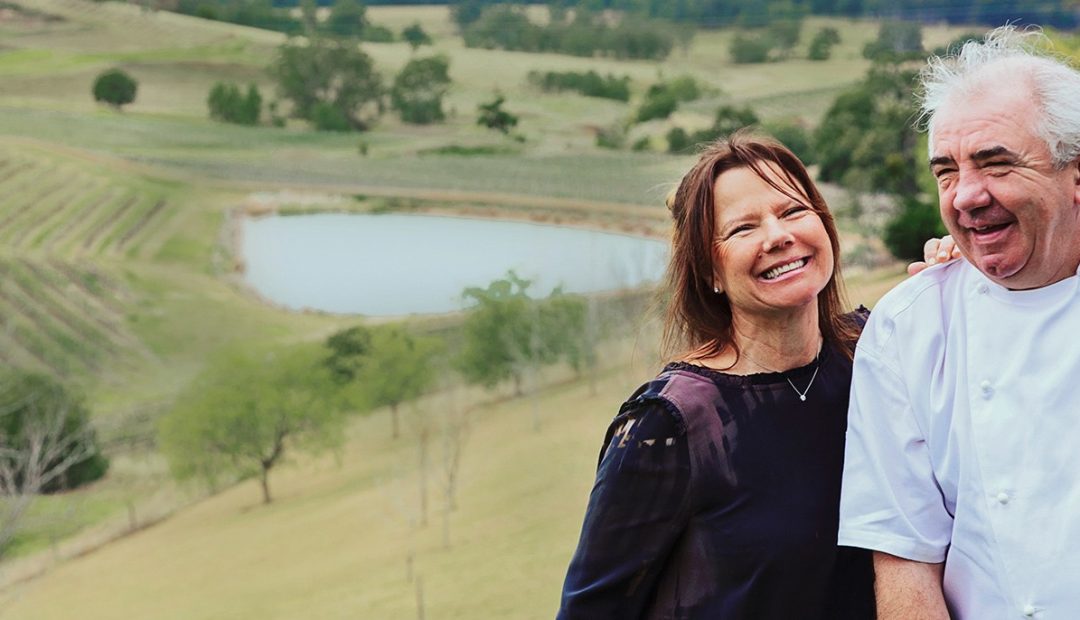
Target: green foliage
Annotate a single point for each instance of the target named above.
(246, 410)
(415, 36)
(493, 116)
(642, 144)
(611, 137)
(254, 13)
(663, 98)
(794, 136)
(588, 83)
(909, 229)
(507, 26)
(326, 74)
(115, 88)
(506, 332)
(865, 142)
(383, 366)
(822, 43)
(785, 34)
(657, 105)
(347, 18)
(228, 104)
(47, 443)
(750, 48)
(678, 140)
(419, 89)
(896, 41)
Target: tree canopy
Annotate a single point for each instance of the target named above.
(248, 407)
(330, 74)
(115, 88)
(419, 89)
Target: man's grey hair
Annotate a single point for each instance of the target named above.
(1006, 59)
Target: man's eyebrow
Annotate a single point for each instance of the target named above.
(941, 160)
(992, 152)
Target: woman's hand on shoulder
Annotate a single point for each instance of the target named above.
(936, 251)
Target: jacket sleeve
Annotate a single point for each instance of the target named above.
(637, 510)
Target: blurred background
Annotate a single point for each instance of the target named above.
(321, 310)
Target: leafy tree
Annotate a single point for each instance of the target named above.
(794, 136)
(246, 410)
(493, 116)
(506, 332)
(115, 88)
(47, 444)
(678, 140)
(415, 36)
(752, 48)
(822, 43)
(865, 141)
(347, 18)
(916, 222)
(419, 89)
(227, 104)
(386, 365)
(658, 103)
(326, 74)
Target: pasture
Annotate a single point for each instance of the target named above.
(119, 275)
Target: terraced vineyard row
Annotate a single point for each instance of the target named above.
(62, 318)
(59, 312)
(64, 211)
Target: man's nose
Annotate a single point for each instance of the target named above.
(971, 192)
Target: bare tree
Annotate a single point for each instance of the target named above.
(455, 433)
(43, 435)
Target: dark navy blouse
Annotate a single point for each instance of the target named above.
(717, 497)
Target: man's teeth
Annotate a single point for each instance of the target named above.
(776, 272)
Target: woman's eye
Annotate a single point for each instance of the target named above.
(796, 210)
(739, 229)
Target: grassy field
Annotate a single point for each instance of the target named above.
(118, 275)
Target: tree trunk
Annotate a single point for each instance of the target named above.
(264, 479)
(395, 422)
(422, 444)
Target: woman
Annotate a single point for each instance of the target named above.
(718, 487)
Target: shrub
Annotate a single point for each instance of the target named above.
(822, 43)
(492, 116)
(658, 104)
(327, 117)
(795, 137)
(419, 89)
(678, 141)
(747, 49)
(909, 229)
(227, 104)
(115, 88)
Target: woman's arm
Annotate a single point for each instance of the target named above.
(637, 510)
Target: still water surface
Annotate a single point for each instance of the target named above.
(402, 264)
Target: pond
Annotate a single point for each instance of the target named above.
(393, 264)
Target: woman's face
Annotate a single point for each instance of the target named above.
(771, 253)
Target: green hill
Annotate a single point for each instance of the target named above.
(119, 276)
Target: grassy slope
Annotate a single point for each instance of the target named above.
(180, 308)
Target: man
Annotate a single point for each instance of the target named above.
(962, 467)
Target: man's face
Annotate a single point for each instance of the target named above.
(1014, 215)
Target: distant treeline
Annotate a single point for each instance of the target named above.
(1057, 13)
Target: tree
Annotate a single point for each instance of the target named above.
(415, 36)
(419, 88)
(332, 74)
(226, 103)
(916, 222)
(492, 116)
(897, 40)
(747, 49)
(507, 333)
(47, 444)
(822, 43)
(347, 18)
(246, 410)
(386, 365)
(115, 88)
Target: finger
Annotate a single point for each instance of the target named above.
(916, 267)
(947, 249)
(930, 250)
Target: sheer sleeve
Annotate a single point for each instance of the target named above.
(636, 512)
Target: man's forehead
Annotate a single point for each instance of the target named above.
(984, 128)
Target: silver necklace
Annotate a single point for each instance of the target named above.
(803, 393)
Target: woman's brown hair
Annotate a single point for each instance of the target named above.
(698, 321)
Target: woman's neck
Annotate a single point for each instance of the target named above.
(770, 343)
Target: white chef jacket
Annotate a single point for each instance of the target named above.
(963, 440)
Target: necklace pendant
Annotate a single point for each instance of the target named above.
(802, 397)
